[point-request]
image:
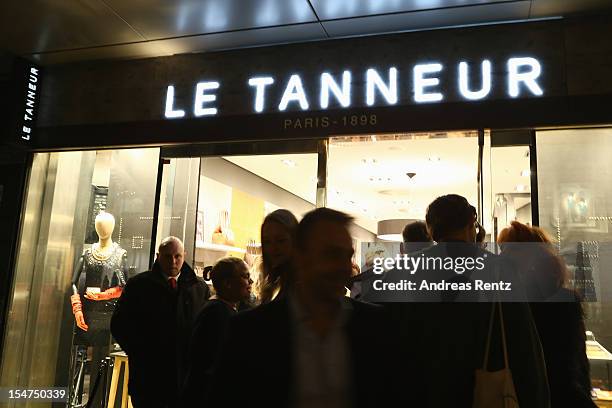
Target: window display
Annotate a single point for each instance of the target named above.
(574, 179)
(88, 223)
(97, 283)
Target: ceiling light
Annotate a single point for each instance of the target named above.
(520, 188)
(526, 173)
(391, 229)
(390, 237)
(288, 163)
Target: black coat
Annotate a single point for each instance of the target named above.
(260, 343)
(451, 334)
(209, 336)
(560, 323)
(153, 323)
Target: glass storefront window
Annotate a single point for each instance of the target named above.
(87, 227)
(575, 205)
(507, 188)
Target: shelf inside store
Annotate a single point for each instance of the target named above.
(219, 247)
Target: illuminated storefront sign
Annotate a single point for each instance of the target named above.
(30, 107)
(27, 80)
(423, 84)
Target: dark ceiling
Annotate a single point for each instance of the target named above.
(58, 31)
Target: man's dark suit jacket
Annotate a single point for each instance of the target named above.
(153, 324)
(261, 344)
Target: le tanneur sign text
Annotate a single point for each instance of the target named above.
(382, 88)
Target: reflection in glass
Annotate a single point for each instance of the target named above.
(575, 204)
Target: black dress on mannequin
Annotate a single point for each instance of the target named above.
(94, 273)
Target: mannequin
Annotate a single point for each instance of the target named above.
(97, 282)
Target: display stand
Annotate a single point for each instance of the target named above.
(207, 253)
(120, 360)
(598, 356)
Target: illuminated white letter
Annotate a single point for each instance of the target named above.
(528, 78)
(420, 82)
(201, 98)
(170, 112)
(293, 92)
(342, 95)
(464, 88)
(260, 84)
(389, 92)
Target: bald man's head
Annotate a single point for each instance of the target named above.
(171, 255)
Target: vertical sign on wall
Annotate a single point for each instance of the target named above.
(27, 88)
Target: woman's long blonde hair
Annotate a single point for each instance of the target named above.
(268, 285)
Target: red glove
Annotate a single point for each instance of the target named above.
(77, 310)
(108, 294)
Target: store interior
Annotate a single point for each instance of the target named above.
(374, 178)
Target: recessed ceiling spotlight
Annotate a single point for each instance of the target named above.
(526, 173)
(289, 163)
(520, 188)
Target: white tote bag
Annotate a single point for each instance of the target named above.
(495, 389)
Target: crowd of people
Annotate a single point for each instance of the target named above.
(308, 344)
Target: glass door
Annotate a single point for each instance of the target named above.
(508, 177)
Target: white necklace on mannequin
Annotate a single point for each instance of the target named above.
(99, 254)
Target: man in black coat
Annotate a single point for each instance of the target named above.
(314, 347)
(152, 322)
(451, 326)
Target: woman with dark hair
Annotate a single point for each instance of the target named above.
(557, 313)
(277, 238)
(232, 283)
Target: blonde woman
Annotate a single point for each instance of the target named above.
(275, 272)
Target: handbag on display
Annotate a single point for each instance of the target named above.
(495, 389)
